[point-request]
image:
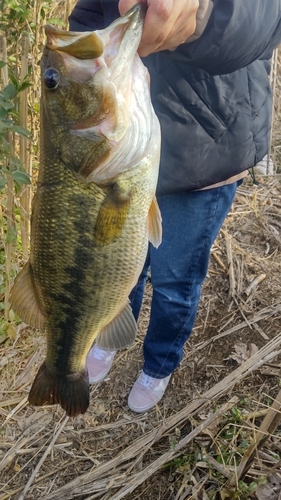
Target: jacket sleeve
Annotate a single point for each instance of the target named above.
(238, 33)
(90, 15)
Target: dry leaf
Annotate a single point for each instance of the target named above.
(11, 315)
(243, 353)
(11, 332)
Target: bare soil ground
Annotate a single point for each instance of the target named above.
(190, 445)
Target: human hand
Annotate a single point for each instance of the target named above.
(168, 23)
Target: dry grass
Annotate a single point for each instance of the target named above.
(219, 401)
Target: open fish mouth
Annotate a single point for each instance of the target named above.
(116, 44)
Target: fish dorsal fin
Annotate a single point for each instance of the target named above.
(154, 224)
(119, 333)
(23, 299)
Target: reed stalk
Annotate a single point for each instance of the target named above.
(8, 240)
(25, 198)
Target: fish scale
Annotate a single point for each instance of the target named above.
(59, 285)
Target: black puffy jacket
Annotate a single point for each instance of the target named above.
(212, 96)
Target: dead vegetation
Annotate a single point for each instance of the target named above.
(215, 434)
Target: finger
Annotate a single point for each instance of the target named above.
(177, 37)
(174, 30)
(159, 20)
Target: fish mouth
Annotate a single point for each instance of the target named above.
(112, 50)
(122, 38)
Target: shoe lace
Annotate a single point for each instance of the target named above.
(100, 354)
(147, 381)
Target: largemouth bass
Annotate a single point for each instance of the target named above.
(94, 210)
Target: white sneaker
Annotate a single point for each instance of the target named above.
(146, 392)
(98, 363)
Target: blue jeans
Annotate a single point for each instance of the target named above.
(191, 222)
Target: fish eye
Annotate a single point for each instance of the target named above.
(51, 78)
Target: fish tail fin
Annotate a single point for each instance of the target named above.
(71, 391)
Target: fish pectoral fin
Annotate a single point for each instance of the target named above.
(71, 390)
(119, 333)
(154, 224)
(23, 299)
(112, 216)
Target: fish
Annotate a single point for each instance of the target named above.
(94, 211)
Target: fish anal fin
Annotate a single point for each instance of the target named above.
(112, 215)
(23, 299)
(71, 391)
(154, 224)
(120, 333)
